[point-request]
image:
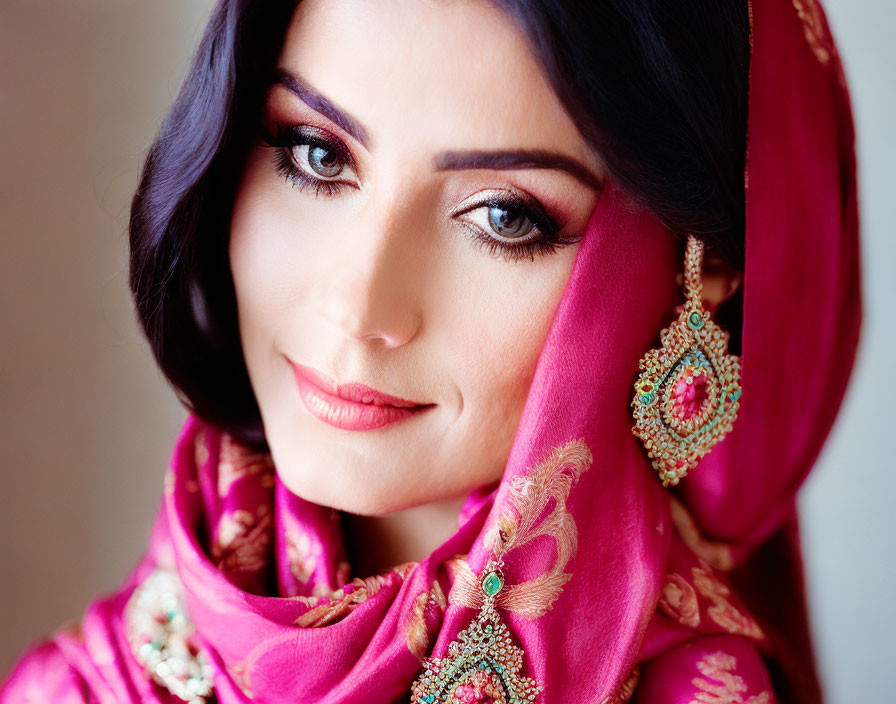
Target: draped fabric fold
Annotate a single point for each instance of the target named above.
(615, 588)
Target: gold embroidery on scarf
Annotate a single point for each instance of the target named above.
(716, 552)
(243, 539)
(299, 554)
(722, 611)
(529, 499)
(416, 631)
(728, 687)
(237, 462)
(340, 603)
(200, 448)
(239, 672)
(679, 601)
(626, 689)
(813, 29)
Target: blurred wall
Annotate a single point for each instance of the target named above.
(849, 521)
(88, 422)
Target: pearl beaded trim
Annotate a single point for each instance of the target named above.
(162, 637)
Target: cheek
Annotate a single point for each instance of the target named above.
(260, 252)
(504, 321)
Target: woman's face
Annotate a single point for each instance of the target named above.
(408, 221)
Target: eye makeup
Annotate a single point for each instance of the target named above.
(294, 145)
(545, 240)
(292, 148)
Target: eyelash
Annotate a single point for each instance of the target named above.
(548, 242)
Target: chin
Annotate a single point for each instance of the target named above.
(343, 485)
(337, 474)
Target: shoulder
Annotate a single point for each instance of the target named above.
(91, 660)
(723, 668)
(44, 674)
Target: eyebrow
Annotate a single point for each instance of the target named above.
(316, 100)
(500, 160)
(516, 159)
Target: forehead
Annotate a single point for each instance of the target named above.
(435, 73)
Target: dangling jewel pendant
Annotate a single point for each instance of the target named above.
(483, 662)
(688, 392)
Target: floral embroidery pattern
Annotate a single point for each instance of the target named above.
(344, 600)
(626, 689)
(722, 611)
(200, 449)
(679, 601)
(716, 552)
(239, 672)
(529, 499)
(813, 28)
(728, 688)
(418, 635)
(237, 462)
(299, 554)
(484, 664)
(243, 540)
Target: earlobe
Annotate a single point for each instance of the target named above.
(720, 281)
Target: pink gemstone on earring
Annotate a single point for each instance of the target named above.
(689, 393)
(468, 694)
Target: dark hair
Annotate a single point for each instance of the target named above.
(659, 88)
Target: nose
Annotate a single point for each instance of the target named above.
(369, 287)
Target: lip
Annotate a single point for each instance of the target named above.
(352, 406)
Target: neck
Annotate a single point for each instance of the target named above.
(375, 544)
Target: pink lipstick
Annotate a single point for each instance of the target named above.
(350, 406)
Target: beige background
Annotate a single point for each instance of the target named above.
(88, 423)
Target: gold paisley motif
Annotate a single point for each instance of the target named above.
(484, 662)
(727, 687)
(418, 636)
(341, 602)
(237, 462)
(722, 611)
(530, 515)
(626, 689)
(243, 540)
(813, 29)
(299, 554)
(239, 672)
(716, 552)
(679, 601)
(200, 449)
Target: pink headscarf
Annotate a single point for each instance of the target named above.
(616, 589)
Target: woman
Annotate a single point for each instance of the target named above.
(407, 264)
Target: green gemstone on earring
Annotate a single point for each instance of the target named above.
(695, 320)
(734, 395)
(492, 583)
(647, 398)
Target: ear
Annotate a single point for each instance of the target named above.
(720, 281)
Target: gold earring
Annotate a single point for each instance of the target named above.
(688, 392)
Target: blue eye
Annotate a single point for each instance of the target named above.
(303, 156)
(509, 223)
(514, 227)
(323, 160)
